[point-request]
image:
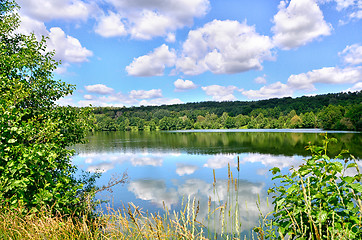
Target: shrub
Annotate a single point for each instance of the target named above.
(318, 200)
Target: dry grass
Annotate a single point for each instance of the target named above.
(127, 223)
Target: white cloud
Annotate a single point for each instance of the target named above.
(357, 14)
(352, 8)
(148, 19)
(88, 97)
(29, 25)
(111, 26)
(220, 93)
(185, 169)
(300, 22)
(142, 94)
(352, 54)
(182, 85)
(171, 37)
(66, 101)
(343, 4)
(152, 64)
(117, 99)
(261, 80)
(133, 98)
(356, 87)
(67, 48)
(327, 75)
(99, 88)
(160, 101)
(57, 9)
(274, 90)
(224, 47)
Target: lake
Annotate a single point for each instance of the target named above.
(166, 168)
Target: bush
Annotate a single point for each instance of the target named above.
(318, 200)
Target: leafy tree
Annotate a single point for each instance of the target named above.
(355, 116)
(309, 120)
(330, 116)
(35, 167)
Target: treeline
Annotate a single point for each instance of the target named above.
(337, 111)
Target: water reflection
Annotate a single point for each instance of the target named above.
(165, 168)
(159, 179)
(274, 143)
(185, 169)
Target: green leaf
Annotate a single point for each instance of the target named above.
(357, 187)
(348, 179)
(275, 170)
(322, 216)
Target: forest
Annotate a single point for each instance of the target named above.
(333, 111)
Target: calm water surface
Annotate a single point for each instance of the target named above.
(167, 167)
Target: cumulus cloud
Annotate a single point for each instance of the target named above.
(224, 47)
(274, 90)
(352, 54)
(67, 48)
(327, 75)
(110, 26)
(57, 9)
(148, 19)
(182, 85)
(99, 88)
(300, 22)
(152, 64)
(142, 94)
(220, 93)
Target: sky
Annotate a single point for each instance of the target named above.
(154, 52)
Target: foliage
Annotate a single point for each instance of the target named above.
(319, 200)
(35, 167)
(341, 111)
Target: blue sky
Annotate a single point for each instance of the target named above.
(153, 52)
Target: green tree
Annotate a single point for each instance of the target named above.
(309, 120)
(35, 167)
(330, 116)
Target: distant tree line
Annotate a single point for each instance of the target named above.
(337, 111)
